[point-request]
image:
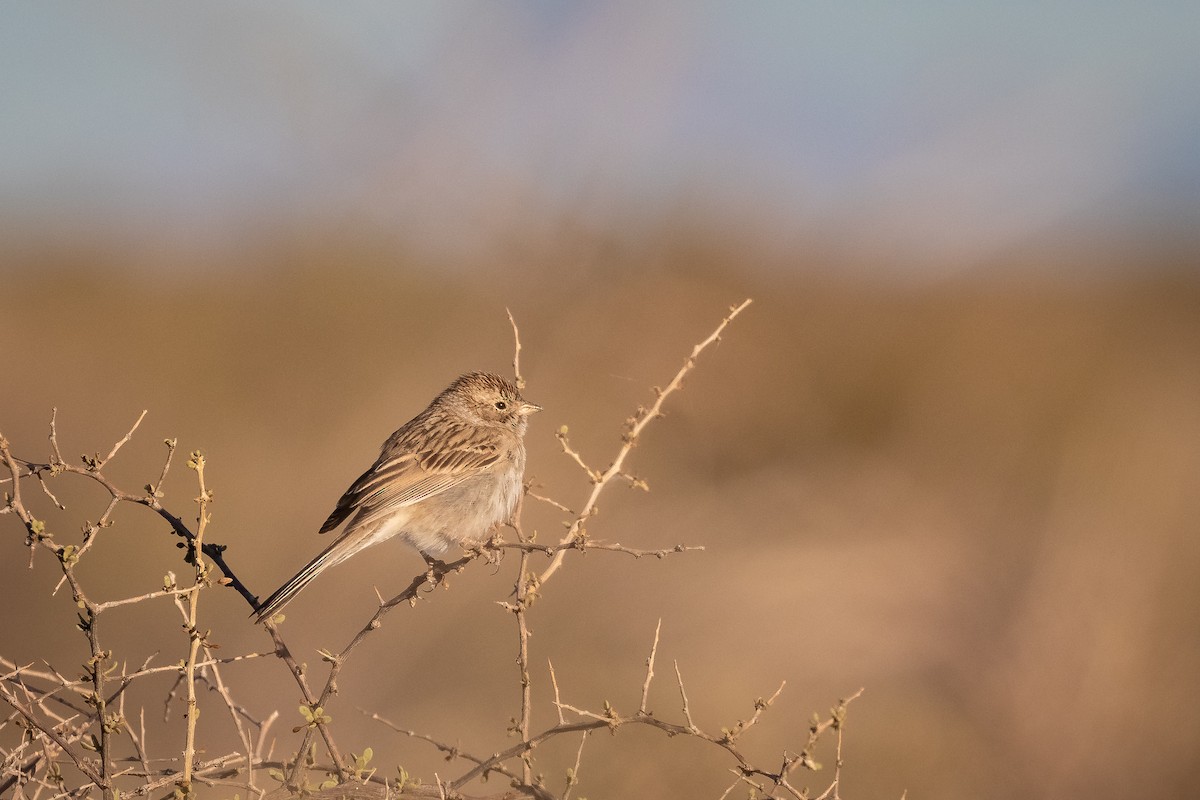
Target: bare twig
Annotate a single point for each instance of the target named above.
(148, 596)
(516, 351)
(594, 475)
(573, 774)
(262, 734)
(731, 786)
(195, 637)
(589, 544)
(156, 487)
(451, 751)
(687, 712)
(91, 470)
(557, 698)
(549, 501)
(637, 424)
(124, 440)
(521, 610)
(46, 489)
(434, 576)
(137, 740)
(84, 765)
(56, 453)
(310, 699)
(522, 590)
(236, 714)
(63, 718)
(760, 705)
(650, 669)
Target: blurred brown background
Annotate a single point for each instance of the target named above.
(949, 454)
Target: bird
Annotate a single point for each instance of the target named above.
(446, 477)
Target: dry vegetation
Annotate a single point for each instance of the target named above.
(78, 737)
(974, 497)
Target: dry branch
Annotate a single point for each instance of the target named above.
(79, 722)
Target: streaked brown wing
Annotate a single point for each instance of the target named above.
(349, 502)
(397, 481)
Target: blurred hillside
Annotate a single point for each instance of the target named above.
(975, 495)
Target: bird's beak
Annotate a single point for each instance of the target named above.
(529, 408)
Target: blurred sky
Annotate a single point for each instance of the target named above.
(945, 130)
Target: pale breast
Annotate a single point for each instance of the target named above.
(465, 513)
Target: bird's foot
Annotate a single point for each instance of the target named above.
(435, 565)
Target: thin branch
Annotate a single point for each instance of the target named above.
(434, 577)
(731, 786)
(58, 459)
(156, 487)
(573, 775)
(52, 732)
(516, 351)
(760, 705)
(46, 489)
(638, 424)
(124, 440)
(522, 588)
(650, 669)
(520, 610)
(150, 500)
(235, 713)
(14, 500)
(262, 734)
(557, 699)
(594, 475)
(451, 751)
(84, 765)
(148, 596)
(549, 501)
(687, 712)
(195, 637)
(137, 741)
(588, 544)
(285, 654)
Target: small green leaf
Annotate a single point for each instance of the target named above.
(69, 555)
(315, 716)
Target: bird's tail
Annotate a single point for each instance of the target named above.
(334, 554)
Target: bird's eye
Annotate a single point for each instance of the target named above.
(501, 405)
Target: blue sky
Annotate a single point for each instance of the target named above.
(942, 128)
